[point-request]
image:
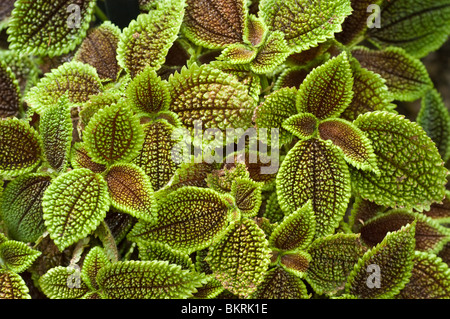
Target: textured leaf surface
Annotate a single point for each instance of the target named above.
(215, 24)
(76, 79)
(160, 251)
(147, 40)
(12, 286)
(147, 93)
(363, 210)
(79, 158)
(412, 172)
(240, 259)
(49, 27)
(238, 54)
(327, 90)
(434, 117)
(204, 93)
(63, 283)
(147, 280)
(296, 231)
(406, 77)
(247, 194)
(16, 256)
(419, 27)
(394, 257)
(56, 132)
(357, 148)
(9, 92)
(191, 174)
(296, 263)
(74, 204)
(430, 279)
(440, 211)
(305, 23)
(95, 260)
(113, 134)
(332, 259)
(130, 190)
(20, 147)
(313, 170)
(272, 53)
(189, 219)
(302, 125)
(21, 206)
(255, 31)
(99, 50)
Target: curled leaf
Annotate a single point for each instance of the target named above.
(271, 54)
(247, 194)
(79, 158)
(255, 31)
(302, 125)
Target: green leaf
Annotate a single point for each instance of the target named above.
(276, 108)
(393, 261)
(302, 125)
(207, 94)
(222, 180)
(20, 147)
(327, 90)
(9, 92)
(430, 236)
(99, 50)
(79, 158)
(191, 174)
(160, 251)
(12, 286)
(240, 259)
(238, 53)
(156, 156)
(188, 219)
(296, 231)
(406, 77)
(74, 205)
(49, 28)
(314, 170)
(247, 195)
(412, 171)
(78, 80)
(357, 148)
(440, 211)
(130, 190)
(332, 259)
(255, 31)
(95, 260)
(16, 256)
(434, 117)
(21, 206)
(96, 103)
(273, 211)
(63, 283)
(215, 24)
(113, 134)
(56, 132)
(419, 27)
(210, 290)
(280, 284)
(429, 278)
(296, 263)
(305, 23)
(272, 53)
(147, 280)
(370, 93)
(147, 40)
(291, 77)
(147, 93)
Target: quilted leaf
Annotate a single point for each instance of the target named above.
(95, 260)
(412, 171)
(188, 219)
(238, 53)
(240, 259)
(99, 50)
(96, 103)
(160, 251)
(429, 278)
(12, 286)
(327, 90)
(314, 170)
(207, 94)
(49, 28)
(255, 31)
(392, 263)
(21, 206)
(434, 117)
(147, 40)
(20, 147)
(305, 23)
(302, 125)
(16, 256)
(74, 205)
(10, 92)
(215, 24)
(406, 77)
(419, 27)
(271, 54)
(56, 132)
(147, 93)
(113, 134)
(76, 79)
(63, 283)
(130, 190)
(357, 148)
(191, 174)
(296, 263)
(247, 195)
(79, 158)
(147, 280)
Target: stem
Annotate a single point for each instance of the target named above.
(104, 234)
(100, 14)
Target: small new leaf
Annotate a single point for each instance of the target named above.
(255, 31)
(160, 251)
(238, 53)
(95, 260)
(247, 195)
(271, 54)
(302, 125)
